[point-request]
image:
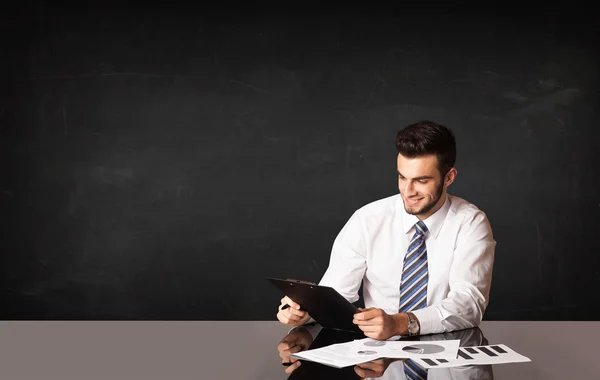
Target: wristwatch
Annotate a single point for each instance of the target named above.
(413, 325)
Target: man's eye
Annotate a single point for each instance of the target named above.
(423, 181)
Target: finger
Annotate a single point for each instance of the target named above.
(291, 368)
(363, 373)
(286, 357)
(287, 318)
(293, 317)
(289, 312)
(288, 361)
(369, 319)
(288, 300)
(360, 316)
(370, 329)
(285, 346)
(288, 353)
(292, 320)
(285, 343)
(296, 312)
(360, 372)
(374, 335)
(366, 365)
(289, 315)
(368, 322)
(286, 350)
(287, 321)
(282, 318)
(368, 314)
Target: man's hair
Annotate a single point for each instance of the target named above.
(426, 137)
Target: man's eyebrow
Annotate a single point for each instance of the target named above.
(417, 178)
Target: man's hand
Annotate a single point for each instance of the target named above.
(377, 324)
(296, 341)
(292, 316)
(374, 368)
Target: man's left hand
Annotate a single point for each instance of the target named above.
(374, 368)
(299, 339)
(376, 323)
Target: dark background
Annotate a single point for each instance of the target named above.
(159, 162)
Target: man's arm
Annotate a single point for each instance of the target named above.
(348, 263)
(469, 280)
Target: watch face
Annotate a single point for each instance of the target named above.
(412, 326)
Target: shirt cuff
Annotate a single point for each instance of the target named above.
(430, 320)
(311, 326)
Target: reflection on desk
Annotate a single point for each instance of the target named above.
(314, 336)
(192, 350)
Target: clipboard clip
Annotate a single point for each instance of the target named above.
(301, 281)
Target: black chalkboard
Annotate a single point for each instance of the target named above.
(156, 158)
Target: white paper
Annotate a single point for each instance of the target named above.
(336, 355)
(477, 355)
(360, 351)
(443, 349)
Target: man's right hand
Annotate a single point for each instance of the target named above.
(292, 316)
(299, 339)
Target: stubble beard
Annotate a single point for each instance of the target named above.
(429, 206)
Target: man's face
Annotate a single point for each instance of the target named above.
(421, 185)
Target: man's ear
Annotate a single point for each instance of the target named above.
(450, 176)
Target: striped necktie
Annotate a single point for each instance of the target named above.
(413, 288)
(413, 371)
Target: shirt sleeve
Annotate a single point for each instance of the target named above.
(347, 263)
(469, 281)
(312, 327)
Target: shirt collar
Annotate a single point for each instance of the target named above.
(434, 222)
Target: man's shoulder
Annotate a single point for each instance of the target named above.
(465, 212)
(461, 207)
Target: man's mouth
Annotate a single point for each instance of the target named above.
(413, 202)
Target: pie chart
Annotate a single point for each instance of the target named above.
(423, 349)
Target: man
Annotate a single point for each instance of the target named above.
(424, 257)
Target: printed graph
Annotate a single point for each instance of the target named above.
(477, 355)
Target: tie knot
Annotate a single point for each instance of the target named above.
(420, 227)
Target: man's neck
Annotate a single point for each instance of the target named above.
(438, 206)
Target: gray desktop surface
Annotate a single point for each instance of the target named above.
(153, 350)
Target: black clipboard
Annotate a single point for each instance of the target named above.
(324, 304)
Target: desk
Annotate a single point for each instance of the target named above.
(72, 350)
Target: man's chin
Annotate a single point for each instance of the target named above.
(413, 211)
(419, 211)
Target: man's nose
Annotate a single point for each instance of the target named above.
(409, 189)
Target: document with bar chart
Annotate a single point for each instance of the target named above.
(363, 350)
(492, 354)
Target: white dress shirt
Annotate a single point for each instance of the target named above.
(371, 247)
